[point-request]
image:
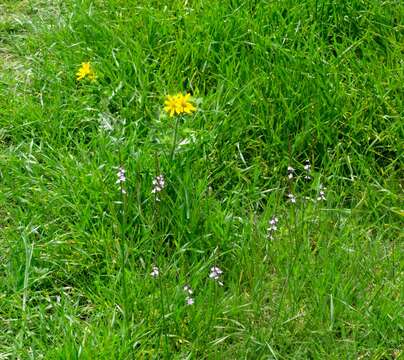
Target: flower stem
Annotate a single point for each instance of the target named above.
(177, 121)
(123, 254)
(163, 318)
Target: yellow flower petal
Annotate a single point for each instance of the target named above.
(178, 104)
(85, 70)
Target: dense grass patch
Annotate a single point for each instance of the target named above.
(311, 85)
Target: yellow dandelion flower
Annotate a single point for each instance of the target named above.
(178, 104)
(85, 70)
(171, 105)
(185, 105)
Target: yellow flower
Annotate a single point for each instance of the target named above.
(85, 70)
(185, 105)
(178, 104)
(171, 105)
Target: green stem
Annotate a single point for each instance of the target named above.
(212, 307)
(177, 121)
(163, 318)
(290, 268)
(123, 254)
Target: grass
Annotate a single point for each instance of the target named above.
(275, 83)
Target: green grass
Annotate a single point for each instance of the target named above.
(275, 83)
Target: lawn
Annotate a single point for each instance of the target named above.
(201, 179)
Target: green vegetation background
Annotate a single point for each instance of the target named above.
(275, 83)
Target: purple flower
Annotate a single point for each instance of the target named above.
(188, 289)
(155, 272)
(273, 226)
(121, 175)
(292, 198)
(321, 194)
(215, 274)
(291, 171)
(307, 168)
(189, 300)
(158, 185)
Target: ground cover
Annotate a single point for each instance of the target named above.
(261, 220)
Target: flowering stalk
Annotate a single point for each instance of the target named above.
(158, 185)
(121, 180)
(291, 172)
(178, 105)
(155, 273)
(215, 275)
(321, 194)
(273, 227)
(177, 120)
(307, 168)
(291, 264)
(189, 300)
(292, 198)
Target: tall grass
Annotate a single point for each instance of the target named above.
(275, 84)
